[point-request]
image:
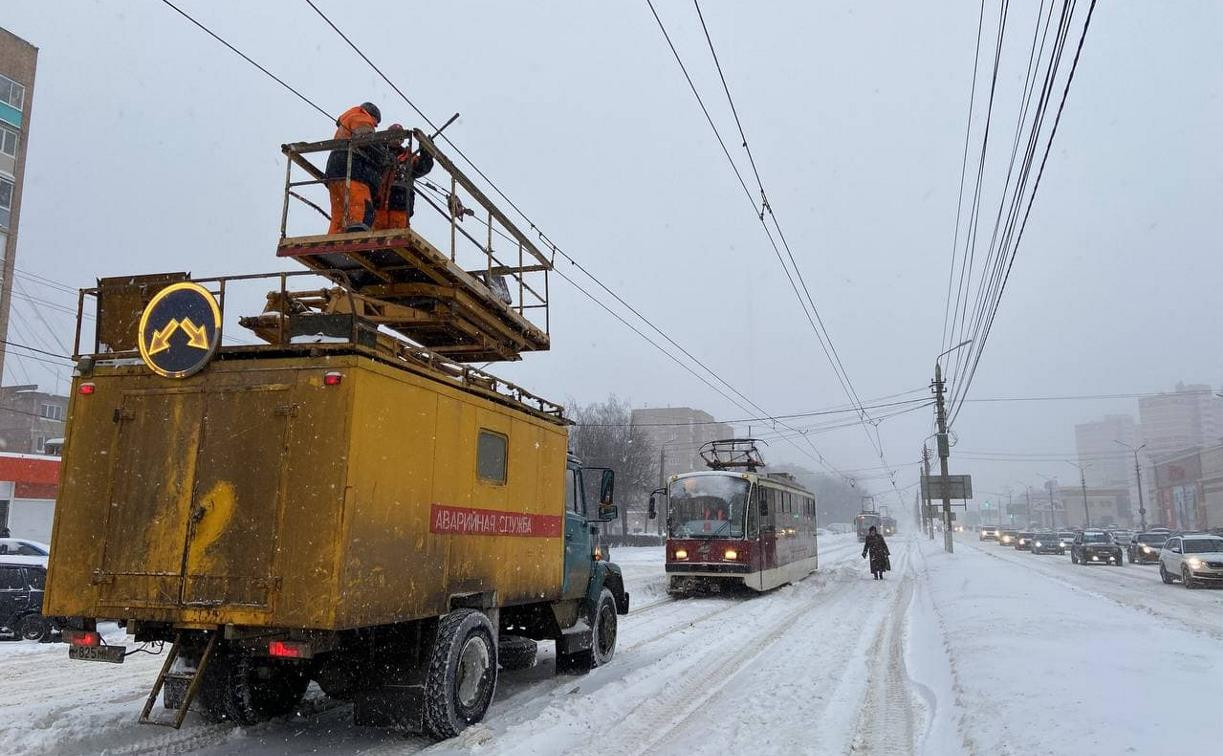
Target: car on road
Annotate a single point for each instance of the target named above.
(25, 551)
(1008, 537)
(1194, 559)
(21, 591)
(1047, 543)
(1144, 548)
(1024, 541)
(1122, 536)
(1096, 547)
(1066, 538)
(988, 533)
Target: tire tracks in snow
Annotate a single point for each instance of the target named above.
(886, 724)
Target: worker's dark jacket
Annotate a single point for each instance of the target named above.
(401, 196)
(878, 549)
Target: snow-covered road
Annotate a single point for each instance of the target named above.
(985, 651)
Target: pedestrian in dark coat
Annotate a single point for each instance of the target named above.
(878, 549)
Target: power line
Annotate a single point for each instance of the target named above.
(248, 59)
(1032, 197)
(543, 238)
(820, 330)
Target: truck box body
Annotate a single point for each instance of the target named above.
(255, 494)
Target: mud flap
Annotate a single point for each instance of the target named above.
(398, 706)
(575, 639)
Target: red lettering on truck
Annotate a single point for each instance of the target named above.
(470, 521)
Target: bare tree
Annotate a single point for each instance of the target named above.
(602, 436)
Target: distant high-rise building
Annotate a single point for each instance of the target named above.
(679, 433)
(1105, 461)
(18, 59)
(1190, 417)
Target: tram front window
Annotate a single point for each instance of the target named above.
(708, 507)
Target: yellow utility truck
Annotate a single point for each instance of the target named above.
(337, 504)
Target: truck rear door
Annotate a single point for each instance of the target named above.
(151, 484)
(231, 536)
(195, 497)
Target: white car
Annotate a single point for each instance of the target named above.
(24, 551)
(1193, 559)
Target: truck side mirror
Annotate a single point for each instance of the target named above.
(608, 510)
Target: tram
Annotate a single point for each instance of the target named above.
(864, 521)
(733, 525)
(887, 525)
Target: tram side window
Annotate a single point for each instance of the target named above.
(768, 521)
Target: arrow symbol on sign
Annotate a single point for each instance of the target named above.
(161, 337)
(197, 336)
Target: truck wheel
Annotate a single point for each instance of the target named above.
(34, 627)
(462, 673)
(602, 639)
(515, 652)
(246, 690)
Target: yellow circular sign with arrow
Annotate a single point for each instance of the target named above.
(179, 330)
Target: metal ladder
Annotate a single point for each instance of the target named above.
(193, 683)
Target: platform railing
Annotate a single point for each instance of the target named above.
(388, 346)
(482, 239)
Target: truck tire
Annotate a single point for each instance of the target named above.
(34, 627)
(515, 652)
(602, 639)
(462, 673)
(246, 690)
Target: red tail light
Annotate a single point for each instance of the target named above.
(86, 389)
(83, 637)
(332, 379)
(289, 649)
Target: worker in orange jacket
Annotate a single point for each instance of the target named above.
(355, 189)
(396, 196)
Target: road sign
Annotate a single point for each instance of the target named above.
(950, 487)
(179, 330)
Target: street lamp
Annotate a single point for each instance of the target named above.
(940, 416)
(1142, 510)
(1083, 482)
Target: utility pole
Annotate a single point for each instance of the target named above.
(1052, 509)
(1142, 510)
(1027, 491)
(944, 450)
(927, 520)
(662, 481)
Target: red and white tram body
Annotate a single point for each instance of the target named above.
(727, 527)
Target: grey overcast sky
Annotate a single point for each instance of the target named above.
(155, 149)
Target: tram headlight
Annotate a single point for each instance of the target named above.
(681, 553)
(731, 554)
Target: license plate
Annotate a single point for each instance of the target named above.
(112, 654)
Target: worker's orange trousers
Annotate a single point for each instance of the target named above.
(384, 219)
(360, 206)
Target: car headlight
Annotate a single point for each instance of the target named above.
(1038, 543)
(731, 554)
(1146, 549)
(681, 553)
(1196, 564)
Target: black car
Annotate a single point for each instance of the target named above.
(1144, 548)
(1008, 537)
(1047, 543)
(1024, 541)
(1096, 547)
(21, 589)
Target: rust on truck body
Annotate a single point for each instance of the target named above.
(254, 494)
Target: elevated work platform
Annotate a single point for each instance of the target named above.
(468, 303)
